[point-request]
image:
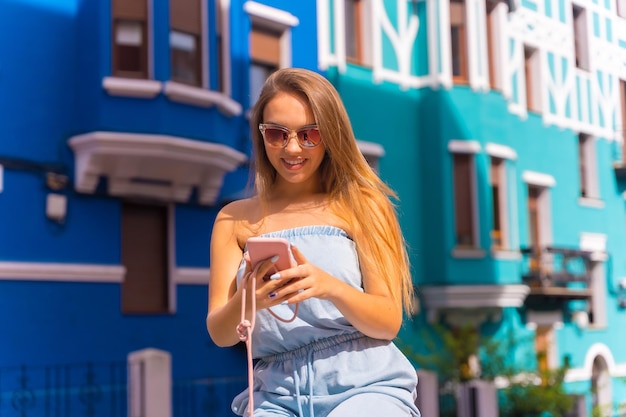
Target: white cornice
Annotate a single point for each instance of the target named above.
(154, 166)
(474, 296)
(61, 272)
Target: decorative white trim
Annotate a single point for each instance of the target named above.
(474, 296)
(89, 273)
(192, 276)
(201, 97)
(595, 242)
(506, 255)
(41, 271)
(280, 17)
(591, 202)
(190, 163)
(500, 151)
(538, 179)
(468, 253)
(464, 146)
(131, 87)
(371, 149)
(584, 373)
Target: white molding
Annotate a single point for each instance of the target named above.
(279, 17)
(187, 94)
(158, 166)
(474, 296)
(464, 146)
(130, 87)
(584, 373)
(89, 273)
(591, 202)
(192, 276)
(500, 151)
(538, 179)
(371, 149)
(42, 271)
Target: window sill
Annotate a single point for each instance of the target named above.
(468, 253)
(591, 202)
(201, 97)
(506, 254)
(131, 87)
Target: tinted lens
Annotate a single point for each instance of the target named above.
(275, 136)
(309, 138)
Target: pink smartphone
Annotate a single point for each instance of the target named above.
(262, 248)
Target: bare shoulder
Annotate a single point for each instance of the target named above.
(235, 219)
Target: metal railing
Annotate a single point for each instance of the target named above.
(81, 390)
(551, 266)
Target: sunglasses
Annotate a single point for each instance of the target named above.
(277, 136)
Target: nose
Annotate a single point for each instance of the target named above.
(293, 145)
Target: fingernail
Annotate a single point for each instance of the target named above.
(272, 295)
(300, 291)
(284, 303)
(274, 258)
(275, 276)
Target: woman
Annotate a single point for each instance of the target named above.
(352, 277)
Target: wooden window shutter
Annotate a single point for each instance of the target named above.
(185, 16)
(130, 9)
(265, 46)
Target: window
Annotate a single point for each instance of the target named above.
(601, 389)
(265, 54)
(145, 289)
(220, 42)
(586, 167)
(354, 31)
(464, 196)
(581, 45)
(458, 41)
(490, 8)
(621, 8)
(532, 70)
(130, 38)
(545, 348)
(621, 127)
(186, 41)
(269, 43)
(497, 182)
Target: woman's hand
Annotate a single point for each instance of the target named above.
(372, 311)
(301, 282)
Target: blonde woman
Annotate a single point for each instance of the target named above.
(352, 279)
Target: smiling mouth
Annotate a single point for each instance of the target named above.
(294, 162)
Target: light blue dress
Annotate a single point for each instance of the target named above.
(319, 365)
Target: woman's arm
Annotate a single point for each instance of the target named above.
(224, 299)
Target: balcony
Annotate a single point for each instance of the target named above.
(556, 275)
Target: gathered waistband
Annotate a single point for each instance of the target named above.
(314, 346)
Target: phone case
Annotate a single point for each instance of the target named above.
(262, 248)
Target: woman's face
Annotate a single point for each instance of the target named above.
(293, 163)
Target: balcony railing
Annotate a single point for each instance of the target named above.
(557, 271)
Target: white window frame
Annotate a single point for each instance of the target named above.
(473, 148)
(596, 243)
(592, 198)
(506, 154)
(544, 181)
(536, 96)
(581, 30)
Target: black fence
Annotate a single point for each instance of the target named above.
(75, 390)
(206, 397)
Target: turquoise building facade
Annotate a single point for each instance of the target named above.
(502, 125)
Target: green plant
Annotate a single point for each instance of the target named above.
(529, 392)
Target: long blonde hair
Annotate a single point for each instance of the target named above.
(358, 196)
